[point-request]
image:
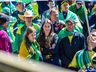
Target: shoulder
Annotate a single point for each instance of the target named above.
(36, 25)
(61, 22)
(79, 34)
(61, 31)
(72, 6)
(23, 45)
(54, 35)
(71, 13)
(3, 34)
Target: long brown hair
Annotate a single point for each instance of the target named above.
(27, 41)
(41, 39)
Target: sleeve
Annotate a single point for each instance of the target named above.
(82, 41)
(54, 44)
(55, 39)
(78, 26)
(6, 43)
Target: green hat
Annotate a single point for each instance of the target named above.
(6, 10)
(27, 1)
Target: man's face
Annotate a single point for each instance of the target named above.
(54, 16)
(28, 20)
(65, 7)
(78, 5)
(51, 5)
(70, 26)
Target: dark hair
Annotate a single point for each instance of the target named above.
(28, 31)
(53, 10)
(50, 1)
(41, 39)
(27, 42)
(3, 18)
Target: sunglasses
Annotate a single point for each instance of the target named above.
(79, 3)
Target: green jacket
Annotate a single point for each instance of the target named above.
(80, 12)
(71, 15)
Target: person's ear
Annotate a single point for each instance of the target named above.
(74, 25)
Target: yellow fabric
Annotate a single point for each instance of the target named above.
(35, 9)
(23, 53)
(0, 7)
(70, 38)
(19, 30)
(20, 27)
(91, 53)
(74, 62)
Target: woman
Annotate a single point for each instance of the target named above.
(29, 48)
(48, 40)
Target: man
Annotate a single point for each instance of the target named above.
(79, 9)
(71, 42)
(85, 59)
(27, 17)
(66, 14)
(5, 42)
(57, 24)
(46, 13)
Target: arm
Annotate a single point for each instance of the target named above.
(6, 43)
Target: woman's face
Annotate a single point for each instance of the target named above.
(47, 27)
(32, 36)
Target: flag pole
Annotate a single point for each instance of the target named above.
(86, 17)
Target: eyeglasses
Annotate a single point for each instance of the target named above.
(18, 4)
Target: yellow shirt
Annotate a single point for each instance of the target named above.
(70, 38)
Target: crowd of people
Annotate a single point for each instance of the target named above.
(58, 36)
